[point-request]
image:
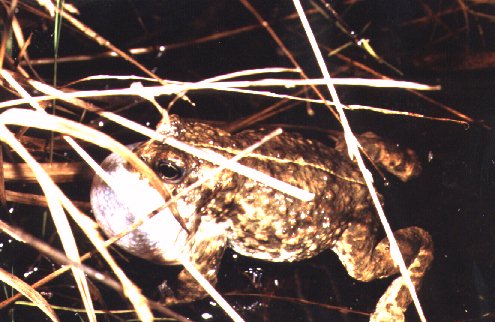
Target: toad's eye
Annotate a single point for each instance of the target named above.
(169, 171)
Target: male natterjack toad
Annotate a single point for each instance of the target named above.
(256, 220)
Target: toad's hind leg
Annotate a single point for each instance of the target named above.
(365, 261)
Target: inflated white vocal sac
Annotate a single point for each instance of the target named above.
(129, 197)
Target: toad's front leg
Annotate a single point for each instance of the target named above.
(365, 261)
(204, 250)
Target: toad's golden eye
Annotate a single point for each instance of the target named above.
(169, 171)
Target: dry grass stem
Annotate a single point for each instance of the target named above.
(210, 289)
(179, 87)
(22, 92)
(347, 107)
(59, 218)
(408, 114)
(288, 83)
(427, 99)
(37, 200)
(50, 190)
(76, 310)
(48, 5)
(243, 170)
(59, 172)
(300, 301)
(104, 42)
(353, 149)
(37, 299)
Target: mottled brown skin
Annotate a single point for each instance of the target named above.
(260, 222)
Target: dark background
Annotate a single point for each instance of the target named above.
(428, 41)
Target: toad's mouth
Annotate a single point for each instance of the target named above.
(129, 199)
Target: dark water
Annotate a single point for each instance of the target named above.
(453, 199)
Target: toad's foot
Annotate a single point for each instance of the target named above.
(391, 305)
(388, 314)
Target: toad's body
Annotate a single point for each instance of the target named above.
(258, 221)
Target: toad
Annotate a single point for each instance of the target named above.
(256, 220)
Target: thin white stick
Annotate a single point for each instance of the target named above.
(242, 169)
(178, 87)
(353, 150)
(210, 289)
